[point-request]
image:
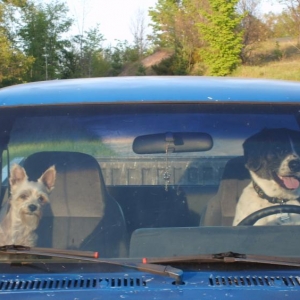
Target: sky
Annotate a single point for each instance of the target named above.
(113, 16)
(271, 6)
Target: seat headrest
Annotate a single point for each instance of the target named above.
(235, 169)
(79, 182)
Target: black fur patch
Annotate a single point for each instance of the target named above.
(265, 151)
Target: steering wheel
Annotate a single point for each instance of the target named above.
(273, 210)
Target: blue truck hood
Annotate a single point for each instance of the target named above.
(267, 284)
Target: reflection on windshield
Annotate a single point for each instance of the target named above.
(74, 182)
(117, 132)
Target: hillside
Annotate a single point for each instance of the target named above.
(275, 58)
(147, 63)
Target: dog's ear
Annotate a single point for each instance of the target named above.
(48, 178)
(254, 151)
(17, 175)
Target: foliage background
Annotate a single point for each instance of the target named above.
(189, 37)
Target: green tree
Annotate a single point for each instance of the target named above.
(120, 56)
(278, 24)
(101, 66)
(253, 27)
(14, 64)
(163, 17)
(223, 40)
(290, 18)
(92, 46)
(164, 67)
(42, 34)
(85, 56)
(286, 23)
(173, 24)
(141, 70)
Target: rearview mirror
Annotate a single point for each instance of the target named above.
(172, 142)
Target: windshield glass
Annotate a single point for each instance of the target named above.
(150, 180)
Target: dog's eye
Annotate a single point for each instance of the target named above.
(41, 199)
(23, 196)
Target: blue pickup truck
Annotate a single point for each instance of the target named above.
(150, 188)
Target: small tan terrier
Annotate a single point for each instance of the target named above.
(26, 204)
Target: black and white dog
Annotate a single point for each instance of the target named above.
(272, 157)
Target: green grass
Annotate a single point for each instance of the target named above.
(285, 70)
(92, 147)
(31, 135)
(273, 59)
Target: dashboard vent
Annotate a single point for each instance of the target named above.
(71, 283)
(241, 281)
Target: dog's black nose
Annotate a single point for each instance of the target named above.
(32, 207)
(294, 165)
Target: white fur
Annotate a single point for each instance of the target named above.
(250, 202)
(19, 225)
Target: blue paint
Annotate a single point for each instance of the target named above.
(138, 285)
(150, 89)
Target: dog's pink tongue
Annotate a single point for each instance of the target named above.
(290, 182)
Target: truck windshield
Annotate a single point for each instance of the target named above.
(73, 178)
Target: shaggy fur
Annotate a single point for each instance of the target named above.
(26, 204)
(273, 159)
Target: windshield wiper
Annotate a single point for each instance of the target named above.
(262, 259)
(136, 264)
(229, 257)
(19, 249)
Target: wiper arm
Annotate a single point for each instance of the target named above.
(230, 257)
(140, 265)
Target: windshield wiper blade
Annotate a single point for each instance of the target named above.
(262, 259)
(229, 257)
(19, 249)
(136, 264)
